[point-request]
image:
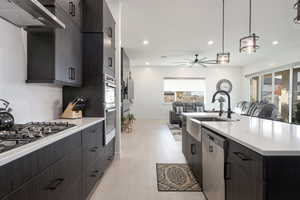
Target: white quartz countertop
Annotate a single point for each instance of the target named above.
(266, 137)
(18, 152)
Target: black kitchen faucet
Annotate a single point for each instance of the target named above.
(228, 96)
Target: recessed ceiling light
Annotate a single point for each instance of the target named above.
(275, 42)
(145, 42)
(210, 42)
(147, 63)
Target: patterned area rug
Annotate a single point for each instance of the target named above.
(176, 132)
(176, 178)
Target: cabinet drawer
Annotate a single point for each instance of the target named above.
(93, 173)
(242, 154)
(92, 143)
(23, 169)
(21, 194)
(109, 152)
(56, 180)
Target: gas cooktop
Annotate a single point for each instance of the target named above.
(25, 133)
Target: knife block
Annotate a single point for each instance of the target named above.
(70, 114)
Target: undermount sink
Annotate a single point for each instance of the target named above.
(213, 119)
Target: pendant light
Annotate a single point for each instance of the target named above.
(249, 44)
(297, 6)
(223, 57)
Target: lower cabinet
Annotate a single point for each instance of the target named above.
(66, 170)
(244, 173)
(96, 169)
(196, 158)
(192, 151)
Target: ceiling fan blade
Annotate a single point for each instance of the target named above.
(178, 62)
(183, 64)
(203, 65)
(212, 62)
(202, 59)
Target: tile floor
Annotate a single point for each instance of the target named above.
(133, 177)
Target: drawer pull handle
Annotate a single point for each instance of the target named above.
(72, 9)
(55, 184)
(227, 171)
(193, 149)
(110, 158)
(110, 32)
(110, 61)
(242, 156)
(94, 149)
(95, 173)
(94, 130)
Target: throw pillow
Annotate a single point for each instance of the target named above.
(179, 109)
(199, 109)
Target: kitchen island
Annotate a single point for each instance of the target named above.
(261, 157)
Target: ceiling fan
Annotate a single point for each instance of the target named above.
(195, 61)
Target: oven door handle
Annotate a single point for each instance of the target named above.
(111, 110)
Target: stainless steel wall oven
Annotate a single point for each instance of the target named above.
(110, 108)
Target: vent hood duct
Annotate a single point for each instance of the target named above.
(25, 13)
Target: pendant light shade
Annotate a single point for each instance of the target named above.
(223, 57)
(297, 7)
(249, 44)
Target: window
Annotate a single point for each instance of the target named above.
(281, 93)
(296, 96)
(184, 90)
(266, 93)
(254, 89)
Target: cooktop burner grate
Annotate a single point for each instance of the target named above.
(25, 133)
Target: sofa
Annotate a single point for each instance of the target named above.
(183, 107)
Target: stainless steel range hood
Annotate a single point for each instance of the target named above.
(24, 13)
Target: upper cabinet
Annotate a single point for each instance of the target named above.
(72, 8)
(54, 55)
(97, 18)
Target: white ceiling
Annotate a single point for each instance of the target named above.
(183, 27)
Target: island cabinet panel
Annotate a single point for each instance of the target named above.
(283, 177)
(192, 151)
(244, 174)
(184, 138)
(195, 158)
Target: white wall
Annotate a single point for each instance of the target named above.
(29, 102)
(148, 102)
(279, 58)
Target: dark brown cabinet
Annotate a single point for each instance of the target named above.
(72, 8)
(97, 18)
(66, 169)
(54, 55)
(244, 173)
(196, 158)
(192, 151)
